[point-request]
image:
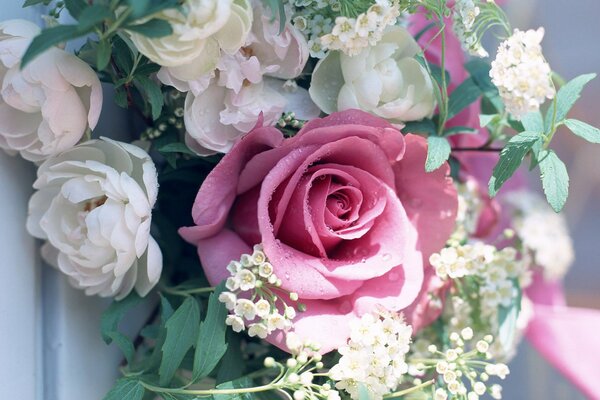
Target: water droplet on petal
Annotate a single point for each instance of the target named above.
(386, 257)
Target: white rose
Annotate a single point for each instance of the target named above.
(385, 80)
(93, 206)
(201, 29)
(46, 108)
(217, 117)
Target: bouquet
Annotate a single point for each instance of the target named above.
(322, 199)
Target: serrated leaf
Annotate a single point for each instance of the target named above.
(211, 345)
(75, 7)
(464, 95)
(438, 152)
(103, 55)
(113, 315)
(47, 38)
(166, 311)
(511, 158)
(232, 364)
(363, 392)
(124, 344)
(533, 122)
(555, 179)
(507, 320)
(153, 93)
(568, 95)
(177, 147)
(126, 389)
(583, 130)
(182, 330)
(155, 28)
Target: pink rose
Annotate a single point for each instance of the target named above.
(344, 210)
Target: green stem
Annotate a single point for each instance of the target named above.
(553, 126)
(189, 292)
(209, 392)
(409, 390)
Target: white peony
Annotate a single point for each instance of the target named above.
(201, 29)
(45, 108)
(93, 206)
(385, 80)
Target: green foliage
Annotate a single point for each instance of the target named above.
(29, 3)
(363, 392)
(438, 152)
(51, 37)
(182, 329)
(555, 179)
(511, 158)
(568, 95)
(113, 315)
(153, 28)
(583, 130)
(75, 7)
(464, 95)
(153, 93)
(126, 389)
(507, 320)
(211, 345)
(277, 8)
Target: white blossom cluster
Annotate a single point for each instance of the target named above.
(521, 73)
(297, 374)
(313, 26)
(464, 14)
(464, 368)
(352, 35)
(495, 269)
(374, 355)
(543, 233)
(253, 296)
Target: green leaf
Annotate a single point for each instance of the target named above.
(232, 364)
(182, 330)
(460, 130)
(485, 120)
(277, 10)
(438, 151)
(583, 130)
(166, 311)
(93, 15)
(511, 158)
(241, 383)
(124, 344)
(426, 126)
(533, 122)
(75, 7)
(29, 3)
(154, 28)
(47, 38)
(153, 93)
(480, 72)
(126, 389)
(211, 345)
(555, 179)
(568, 95)
(113, 315)
(464, 95)
(103, 55)
(177, 147)
(507, 320)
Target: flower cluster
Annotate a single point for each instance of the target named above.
(297, 374)
(470, 206)
(257, 308)
(352, 35)
(463, 17)
(463, 367)
(374, 355)
(543, 233)
(313, 26)
(521, 73)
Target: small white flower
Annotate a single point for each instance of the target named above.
(276, 321)
(479, 388)
(236, 323)
(263, 308)
(441, 394)
(245, 309)
(482, 346)
(259, 330)
(290, 313)
(246, 279)
(467, 333)
(265, 269)
(229, 299)
(232, 283)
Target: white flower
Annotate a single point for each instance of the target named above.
(46, 107)
(93, 206)
(265, 270)
(229, 299)
(201, 29)
(259, 330)
(441, 394)
(464, 14)
(245, 309)
(384, 80)
(247, 280)
(236, 323)
(521, 73)
(263, 308)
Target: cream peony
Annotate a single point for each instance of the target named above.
(201, 29)
(384, 80)
(46, 108)
(93, 206)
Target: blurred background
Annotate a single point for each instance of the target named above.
(571, 46)
(48, 349)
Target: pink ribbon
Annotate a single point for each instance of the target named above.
(567, 337)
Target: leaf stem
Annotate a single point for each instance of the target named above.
(186, 292)
(409, 390)
(208, 392)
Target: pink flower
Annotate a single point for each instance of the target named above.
(344, 210)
